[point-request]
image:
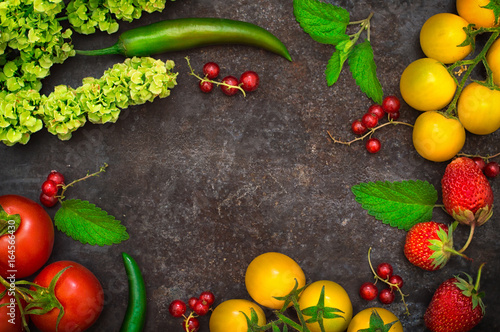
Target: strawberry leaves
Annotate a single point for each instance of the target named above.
(399, 204)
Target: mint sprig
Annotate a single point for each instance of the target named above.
(87, 223)
(327, 24)
(399, 204)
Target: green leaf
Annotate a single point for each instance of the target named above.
(324, 22)
(87, 223)
(495, 6)
(364, 71)
(399, 204)
(336, 62)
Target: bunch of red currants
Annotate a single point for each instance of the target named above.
(249, 80)
(369, 291)
(50, 188)
(200, 306)
(491, 169)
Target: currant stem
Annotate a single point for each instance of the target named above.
(205, 79)
(369, 133)
(65, 187)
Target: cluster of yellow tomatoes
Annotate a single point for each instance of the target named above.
(274, 274)
(429, 84)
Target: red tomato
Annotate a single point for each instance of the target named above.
(26, 250)
(78, 291)
(10, 316)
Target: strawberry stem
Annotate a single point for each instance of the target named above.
(471, 233)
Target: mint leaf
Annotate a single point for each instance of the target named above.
(336, 62)
(399, 204)
(87, 223)
(324, 22)
(364, 71)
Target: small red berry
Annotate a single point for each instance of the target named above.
(211, 70)
(368, 291)
(177, 308)
(394, 116)
(384, 270)
(192, 301)
(386, 296)
(249, 81)
(208, 297)
(49, 188)
(377, 110)
(479, 162)
(57, 177)
(369, 120)
(396, 280)
(206, 86)
(201, 307)
(391, 104)
(193, 325)
(48, 201)
(492, 169)
(358, 127)
(229, 80)
(373, 145)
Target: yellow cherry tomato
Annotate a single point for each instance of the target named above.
(362, 320)
(272, 274)
(440, 36)
(473, 11)
(437, 137)
(493, 59)
(228, 316)
(426, 85)
(335, 297)
(479, 109)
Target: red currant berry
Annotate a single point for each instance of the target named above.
(384, 270)
(396, 280)
(57, 177)
(386, 296)
(394, 116)
(373, 145)
(491, 169)
(206, 86)
(249, 81)
(368, 291)
(358, 127)
(177, 308)
(211, 70)
(192, 301)
(376, 110)
(201, 308)
(208, 297)
(391, 104)
(193, 325)
(229, 80)
(479, 162)
(48, 201)
(49, 188)
(369, 120)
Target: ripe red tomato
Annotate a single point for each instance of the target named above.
(79, 292)
(10, 316)
(26, 250)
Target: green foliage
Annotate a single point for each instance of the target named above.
(87, 223)
(377, 324)
(327, 24)
(399, 204)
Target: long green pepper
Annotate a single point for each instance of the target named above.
(135, 315)
(187, 33)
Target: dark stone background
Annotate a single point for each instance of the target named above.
(205, 182)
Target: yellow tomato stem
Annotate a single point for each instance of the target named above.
(451, 110)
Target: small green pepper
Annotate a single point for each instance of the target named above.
(186, 33)
(135, 315)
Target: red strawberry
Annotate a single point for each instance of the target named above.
(456, 306)
(467, 194)
(429, 245)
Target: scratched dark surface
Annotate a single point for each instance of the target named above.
(204, 182)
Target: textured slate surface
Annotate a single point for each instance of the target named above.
(204, 183)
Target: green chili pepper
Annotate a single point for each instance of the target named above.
(135, 315)
(187, 33)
